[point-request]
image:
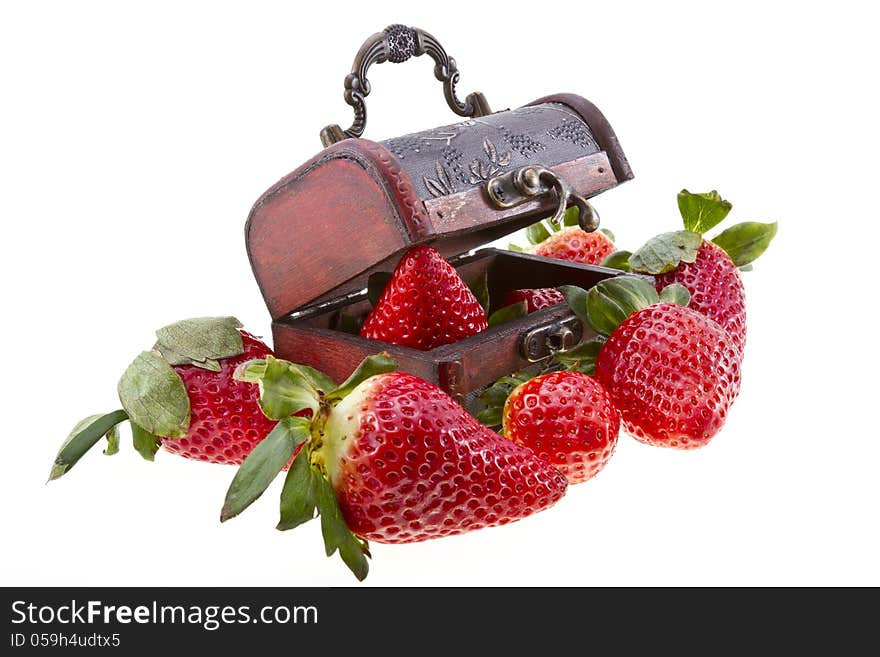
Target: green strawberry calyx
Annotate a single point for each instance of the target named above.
(700, 212)
(605, 306)
(495, 396)
(153, 397)
(288, 391)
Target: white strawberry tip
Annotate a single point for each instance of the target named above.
(286, 391)
(342, 427)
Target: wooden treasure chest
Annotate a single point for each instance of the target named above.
(315, 237)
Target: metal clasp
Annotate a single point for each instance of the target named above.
(544, 341)
(521, 185)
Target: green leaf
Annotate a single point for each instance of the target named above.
(571, 217)
(702, 212)
(515, 247)
(745, 242)
(112, 441)
(82, 438)
(508, 314)
(316, 378)
(480, 288)
(369, 366)
(337, 535)
(617, 260)
(495, 396)
(252, 371)
(607, 233)
(664, 253)
(576, 298)
(263, 464)
(376, 285)
(154, 396)
(144, 442)
(746, 268)
(581, 358)
(611, 301)
(299, 497)
(491, 416)
(173, 358)
(675, 293)
(285, 388)
(537, 233)
(201, 341)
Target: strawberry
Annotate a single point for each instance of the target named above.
(389, 458)
(425, 304)
(225, 417)
(569, 241)
(576, 245)
(181, 395)
(671, 371)
(535, 299)
(708, 269)
(715, 286)
(567, 419)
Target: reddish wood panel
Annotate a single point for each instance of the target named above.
(318, 231)
(338, 354)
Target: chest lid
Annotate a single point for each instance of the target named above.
(358, 205)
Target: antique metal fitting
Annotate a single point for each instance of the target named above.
(521, 185)
(397, 43)
(544, 341)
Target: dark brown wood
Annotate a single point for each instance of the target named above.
(461, 368)
(602, 130)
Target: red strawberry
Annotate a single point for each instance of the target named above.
(576, 245)
(394, 459)
(708, 269)
(569, 241)
(425, 304)
(671, 372)
(535, 299)
(409, 464)
(567, 419)
(182, 395)
(716, 288)
(225, 417)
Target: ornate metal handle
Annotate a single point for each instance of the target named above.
(521, 185)
(397, 43)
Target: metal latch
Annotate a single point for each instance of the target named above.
(544, 341)
(526, 183)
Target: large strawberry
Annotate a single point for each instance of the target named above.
(708, 269)
(567, 419)
(182, 395)
(425, 304)
(671, 372)
(569, 241)
(390, 458)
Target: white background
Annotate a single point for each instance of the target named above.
(136, 137)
